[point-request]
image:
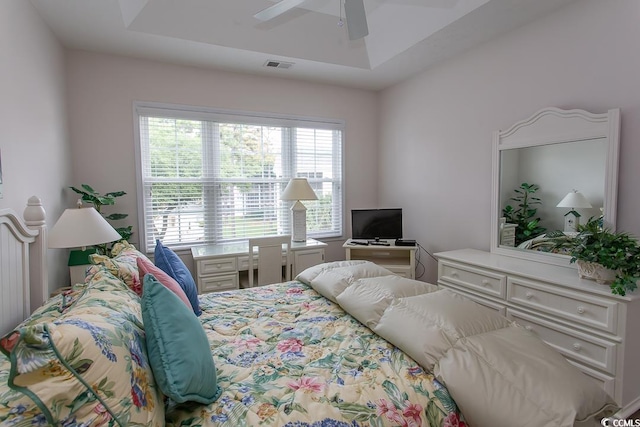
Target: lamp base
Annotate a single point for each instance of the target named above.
(299, 222)
(571, 221)
(78, 264)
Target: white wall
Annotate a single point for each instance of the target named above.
(435, 129)
(33, 127)
(102, 89)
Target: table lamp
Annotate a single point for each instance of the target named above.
(573, 200)
(298, 189)
(79, 228)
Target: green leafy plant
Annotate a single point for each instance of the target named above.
(616, 251)
(89, 195)
(523, 214)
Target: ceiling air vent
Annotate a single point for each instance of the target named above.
(278, 64)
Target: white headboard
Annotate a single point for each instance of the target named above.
(23, 263)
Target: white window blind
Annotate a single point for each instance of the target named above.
(208, 176)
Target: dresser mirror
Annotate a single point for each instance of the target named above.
(548, 157)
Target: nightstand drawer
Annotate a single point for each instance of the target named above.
(222, 282)
(216, 265)
(471, 278)
(575, 345)
(591, 312)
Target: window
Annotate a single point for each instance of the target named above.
(210, 176)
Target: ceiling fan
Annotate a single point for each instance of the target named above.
(354, 12)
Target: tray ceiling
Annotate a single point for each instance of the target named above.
(405, 36)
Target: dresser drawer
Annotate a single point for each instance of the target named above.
(572, 344)
(218, 283)
(607, 382)
(478, 280)
(216, 265)
(582, 309)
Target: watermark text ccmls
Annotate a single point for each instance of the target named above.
(614, 422)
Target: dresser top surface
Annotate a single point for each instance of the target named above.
(564, 276)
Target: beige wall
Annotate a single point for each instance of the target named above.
(33, 127)
(436, 128)
(102, 89)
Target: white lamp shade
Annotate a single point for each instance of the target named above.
(81, 227)
(574, 199)
(298, 189)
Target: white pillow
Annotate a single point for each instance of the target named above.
(427, 326)
(510, 377)
(366, 299)
(456, 315)
(330, 279)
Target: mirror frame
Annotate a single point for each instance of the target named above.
(556, 126)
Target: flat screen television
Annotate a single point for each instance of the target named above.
(372, 224)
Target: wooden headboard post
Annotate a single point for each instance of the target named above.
(35, 218)
(23, 263)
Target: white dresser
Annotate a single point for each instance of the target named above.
(218, 267)
(596, 331)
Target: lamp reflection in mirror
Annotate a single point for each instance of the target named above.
(78, 228)
(298, 189)
(574, 200)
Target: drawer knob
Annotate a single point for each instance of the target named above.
(528, 328)
(454, 273)
(577, 347)
(581, 309)
(485, 282)
(218, 265)
(528, 295)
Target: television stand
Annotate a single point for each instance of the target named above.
(400, 260)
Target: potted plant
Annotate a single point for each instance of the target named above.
(596, 248)
(524, 214)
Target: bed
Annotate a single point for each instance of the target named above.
(345, 344)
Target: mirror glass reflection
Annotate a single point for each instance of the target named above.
(552, 171)
(566, 163)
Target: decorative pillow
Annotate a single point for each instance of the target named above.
(119, 248)
(54, 306)
(170, 263)
(178, 347)
(523, 380)
(123, 265)
(16, 409)
(146, 267)
(88, 366)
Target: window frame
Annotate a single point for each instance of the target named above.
(179, 111)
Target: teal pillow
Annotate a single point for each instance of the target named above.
(177, 346)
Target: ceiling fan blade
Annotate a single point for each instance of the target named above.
(277, 9)
(356, 18)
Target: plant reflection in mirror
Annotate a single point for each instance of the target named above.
(523, 214)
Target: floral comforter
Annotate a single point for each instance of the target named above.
(286, 356)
